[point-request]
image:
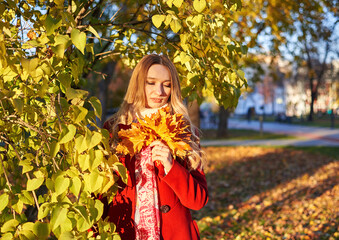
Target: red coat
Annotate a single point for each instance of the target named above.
(179, 190)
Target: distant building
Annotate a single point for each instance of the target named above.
(283, 89)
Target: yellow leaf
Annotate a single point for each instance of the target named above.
(199, 5)
(158, 20)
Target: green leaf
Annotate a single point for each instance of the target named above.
(18, 206)
(43, 210)
(95, 33)
(75, 186)
(93, 181)
(50, 184)
(52, 24)
(54, 148)
(66, 236)
(96, 160)
(75, 93)
(158, 19)
(66, 225)
(67, 134)
(118, 166)
(65, 80)
(78, 39)
(27, 235)
(83, 222)
(59, 50)
(62, 40)
(18, 104)
(59, 214)
(61, 184)
(80, 144)
(199, 5)
(30, 65)
(34, 183)
(94, 140)
(27, 226)
(26, 197)
(83, 160)
(41, 230)
(7, 236)
(10, 226)
(100, 208)
(26, 165)
(79, 113)
(96, 104)
(3, 201)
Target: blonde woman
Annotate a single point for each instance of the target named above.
(156, 202)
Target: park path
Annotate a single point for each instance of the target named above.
(305, 136)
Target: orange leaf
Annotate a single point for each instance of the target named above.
(163, 126)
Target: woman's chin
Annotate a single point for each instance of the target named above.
(156, 105)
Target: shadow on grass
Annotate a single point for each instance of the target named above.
(256, 191)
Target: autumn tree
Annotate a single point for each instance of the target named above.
(54, 157)
(304, 33)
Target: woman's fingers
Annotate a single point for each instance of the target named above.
(161, 153)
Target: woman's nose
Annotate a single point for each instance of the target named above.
(160, 89)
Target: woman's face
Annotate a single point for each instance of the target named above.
(158, 86)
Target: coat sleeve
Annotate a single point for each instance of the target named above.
(189, 186)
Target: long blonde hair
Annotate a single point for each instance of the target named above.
(135, 100)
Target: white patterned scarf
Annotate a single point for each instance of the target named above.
(147, 217)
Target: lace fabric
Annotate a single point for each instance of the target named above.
(147, 215)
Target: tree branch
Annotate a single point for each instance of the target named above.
(7, 180)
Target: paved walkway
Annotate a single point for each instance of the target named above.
(305, 136)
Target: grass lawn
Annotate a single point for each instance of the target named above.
(242, 134)
(271, 193)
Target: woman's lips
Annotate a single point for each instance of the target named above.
(156, 100)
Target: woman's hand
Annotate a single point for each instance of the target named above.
(162, 153)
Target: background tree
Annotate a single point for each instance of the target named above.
(304, 33)
(54, 157)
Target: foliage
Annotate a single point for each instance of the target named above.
(54, 158)
(162, 126)
(194, 34)
(304, 33)
(270, 193)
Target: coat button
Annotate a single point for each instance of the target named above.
(165, 208)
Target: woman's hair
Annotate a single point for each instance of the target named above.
(135, 100)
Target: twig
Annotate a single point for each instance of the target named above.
(108, 52)
(111, 19)
(103, 10)
(34, 195)
(104, 75)
(7, 180)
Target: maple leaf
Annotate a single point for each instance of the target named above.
(168, 128)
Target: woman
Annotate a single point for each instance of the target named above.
(155, 202)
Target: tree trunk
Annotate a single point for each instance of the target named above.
(194, 113)
(314, 89)
(223, 122)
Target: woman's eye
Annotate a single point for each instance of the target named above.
(167, 85)
(150, 83)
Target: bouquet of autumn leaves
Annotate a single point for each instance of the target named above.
(162, 126)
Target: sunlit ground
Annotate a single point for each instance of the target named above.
(271, 193)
